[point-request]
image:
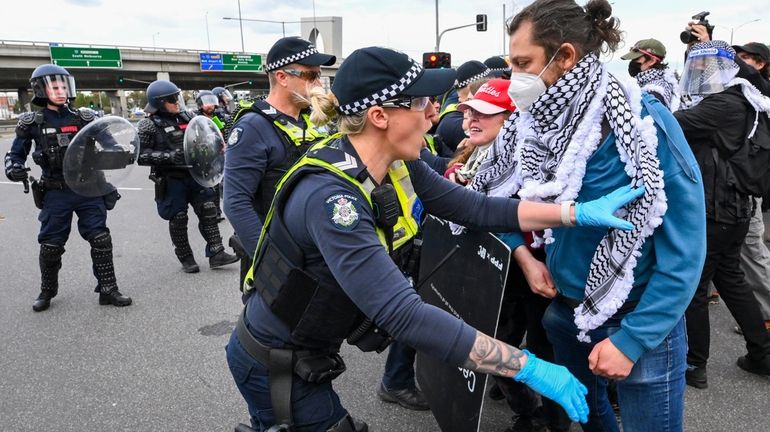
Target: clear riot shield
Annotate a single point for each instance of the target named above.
(101, 156)
(204, 151)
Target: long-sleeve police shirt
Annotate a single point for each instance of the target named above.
(348, 251)
(252, 147)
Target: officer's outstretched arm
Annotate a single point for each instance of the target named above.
(535, 216)
(555, 382)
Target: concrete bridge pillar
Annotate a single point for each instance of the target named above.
(25, 99)
(118, 103)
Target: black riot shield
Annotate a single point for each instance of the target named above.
(204, 151)
(101, 156)
(469, 285)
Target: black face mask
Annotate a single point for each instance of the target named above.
(634, 68)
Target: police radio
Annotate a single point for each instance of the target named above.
(386, 210)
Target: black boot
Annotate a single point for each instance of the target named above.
(189, 265)
(222, 258)
(43, 301)
(50, 263)
(114, 298)
(104, 270)
(207, 225)
(177, 227)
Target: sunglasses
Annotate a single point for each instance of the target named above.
(412, 103)
(309, 76)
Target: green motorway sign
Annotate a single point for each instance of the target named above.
(82, 57)
(242, 62)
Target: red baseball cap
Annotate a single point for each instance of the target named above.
(491, 98)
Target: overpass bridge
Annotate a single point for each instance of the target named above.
(138, 66)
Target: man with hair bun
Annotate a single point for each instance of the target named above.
(325, 269)
(619, 296)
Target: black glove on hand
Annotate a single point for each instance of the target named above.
(178, 157)
(16, 172)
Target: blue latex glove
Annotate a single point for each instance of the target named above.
(599, 212)
(556, 383)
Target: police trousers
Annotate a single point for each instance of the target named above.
(315, 407)
(56, 216)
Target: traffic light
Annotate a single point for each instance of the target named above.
(436, 60)
(251, 82)
(481, 22)
(91, 105)
(121, 80)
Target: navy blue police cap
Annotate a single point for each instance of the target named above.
(294, 49)
(469, 72)
(373, 75)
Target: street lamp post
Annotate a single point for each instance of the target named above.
(240, 21)
(732, 29)
(154, 45)
(208, 38)
(282, 23)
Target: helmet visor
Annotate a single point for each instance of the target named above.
(226, 98)
(208, 99)
(707, 71)
(55, 87)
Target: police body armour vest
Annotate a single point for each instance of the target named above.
(55, 140)
(171, 130)
(320, 315)
(296, 141)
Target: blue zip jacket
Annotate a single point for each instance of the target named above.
(671, 261)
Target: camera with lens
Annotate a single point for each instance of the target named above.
(687, 36)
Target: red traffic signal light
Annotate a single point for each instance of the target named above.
(436, 60)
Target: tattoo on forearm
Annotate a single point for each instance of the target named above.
(493, 357)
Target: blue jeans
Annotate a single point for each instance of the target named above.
(315, 407)
(399, 367)
(651, 398)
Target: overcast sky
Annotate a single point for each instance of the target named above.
(406, 25)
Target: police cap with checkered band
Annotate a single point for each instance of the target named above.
(295, 50)
(374, 74)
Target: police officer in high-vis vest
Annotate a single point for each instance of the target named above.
(161, 137)
(269, 137)
(323, 270)
(52, 128)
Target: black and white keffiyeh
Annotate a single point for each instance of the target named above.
(661, 82)
(541, 155)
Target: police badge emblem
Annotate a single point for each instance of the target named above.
(342, 211)
(234, 135)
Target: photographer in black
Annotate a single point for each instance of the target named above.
(717, 120)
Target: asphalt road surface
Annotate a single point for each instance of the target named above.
(159, 365)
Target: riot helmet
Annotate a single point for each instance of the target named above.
(710, 66)
(159, 92)
(226, 100)
(206, 101)
(52, 84)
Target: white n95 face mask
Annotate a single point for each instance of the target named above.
(525, 88)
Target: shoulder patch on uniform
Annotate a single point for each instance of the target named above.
(26, 119)
(86, 114)
(235, 134)
(343, 210)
